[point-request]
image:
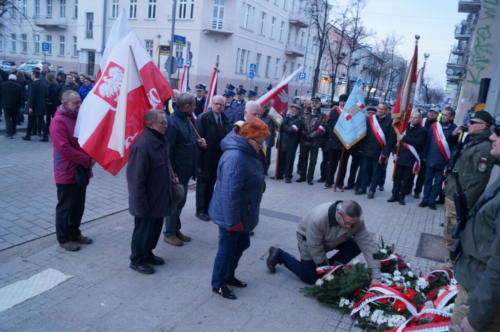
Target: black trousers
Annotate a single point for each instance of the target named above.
(403, 180)
(287, 159)
(307, 161)
(267, 161)
(323, 167)
(205, 183)
(419, 184)
(353, 170)
(332, 161)
(37, 123)
(11, 115)
(144, 238)
(69, 211)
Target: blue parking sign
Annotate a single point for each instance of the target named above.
(180, 62)
(45, 47)
(302, 75)
(253, 67)
(251, 74)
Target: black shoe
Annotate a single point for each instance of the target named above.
(252, 233)
(348, 187)
(300, 180)
(44, 140)
(26, 138)
(83, 239)
(360, 192)
(224, 292)
(393, 198)
(142, 268)
(236, 283)
(322, 179)
(288, 180)
(423, 204)
(380, 188)
(439, 201)
(202, 216)
(416, 195)
(272, 259)
(370, 195)
(310, 182)
(432, 206)
(401, 201)
(155, 260)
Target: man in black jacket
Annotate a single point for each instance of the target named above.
(376, 146)
(200, 98)
(37, 104)
(213, 127)
(181, 137)
(11, 100)
(408, 162)
(149, 185)
(288, 142)
(333, 147)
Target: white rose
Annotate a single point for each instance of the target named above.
(375, 315)
(453, 282)
(410, 274)
(397, 273)
(396, 320)
(364, 312)
(319, 282)
(383, 251)
(329, 277)
(382, 319)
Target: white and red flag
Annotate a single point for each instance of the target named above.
(111, 116)
(279, 97)
(212, 88)
(184, 82)
(404, 103)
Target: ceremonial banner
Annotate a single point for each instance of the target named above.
(111, 116)
(351, 125)
(212, 89)
(184, 82)
(404, 103)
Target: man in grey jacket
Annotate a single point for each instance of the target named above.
(327, 227)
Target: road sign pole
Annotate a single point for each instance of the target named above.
(174, 5)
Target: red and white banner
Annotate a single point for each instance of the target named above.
(279, 96)
(184, 82)
(212, 88)
(111, 116)
(377, 131)
(442, 144)
(413, 151)
(404, 103)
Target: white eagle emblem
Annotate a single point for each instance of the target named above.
(283, 96)
(110, 84)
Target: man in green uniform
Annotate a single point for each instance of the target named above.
(470, 170)
(477, 269)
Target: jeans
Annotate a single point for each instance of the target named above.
(371, 172)
(144, 238)
(306, 269)
(69, 211)
(231, 247)
(432, 184)
(173, 222)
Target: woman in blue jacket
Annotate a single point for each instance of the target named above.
(235, 204)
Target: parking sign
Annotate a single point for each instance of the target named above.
(302, 75)
(45, 47)
(253, 67)
(251, 74)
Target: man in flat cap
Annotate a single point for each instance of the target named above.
(201, 91)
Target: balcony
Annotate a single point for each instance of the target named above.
(295, 50)
(458, 50)
(218, 27)
(469, 6)
(463, 31)
(298, 19)
(52, 22)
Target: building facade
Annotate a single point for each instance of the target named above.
(274, 35)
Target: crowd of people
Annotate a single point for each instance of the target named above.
(227, 148)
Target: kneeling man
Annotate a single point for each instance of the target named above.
(327, 227)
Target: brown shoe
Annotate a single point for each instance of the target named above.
(183, 238)
(272, 259)
(173, 240)
(83, 239)
(70, 246)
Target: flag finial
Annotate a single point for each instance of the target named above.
(426, 56)
(417, 37)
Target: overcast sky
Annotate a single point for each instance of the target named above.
(433, 20)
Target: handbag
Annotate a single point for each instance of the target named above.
(82, 176)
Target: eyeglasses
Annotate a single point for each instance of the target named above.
(221, 104)
(476, 122)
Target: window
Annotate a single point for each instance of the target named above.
(273, 23)
(218, 15)
(302, 37)
(149, 46)
(24, 43)
(36, 43)
(237, 60)
(282, 30)
(268, 65)
(284, 4)
(262, 29)
(62, 40)
(75, 46)
(89, 33)
(75, 9)
(276, 70)
(115, 8)
(49, 8)
(24, 8)
(13, 12)
(49, 41)
(62, 8)
(242, 61)
(152, 9)
(13, 42)
(247, 15)
(257, 64)
(132, 13)
(185, 9)
(1, 42)
(37, 8)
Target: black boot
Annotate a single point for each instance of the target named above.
(401, 200)
(393, 198)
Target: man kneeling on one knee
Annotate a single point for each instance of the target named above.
(327, 227)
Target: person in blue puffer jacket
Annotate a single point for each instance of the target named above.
(235, 203)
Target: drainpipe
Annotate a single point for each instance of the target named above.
(105, 14)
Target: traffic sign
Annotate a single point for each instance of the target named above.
(45, 47)
(179, 40)
(171, 65)
(180, 62)
(253, 67)
(251, 74)
(190, 55)
(302, 75)
(189, 63)
(164, 49)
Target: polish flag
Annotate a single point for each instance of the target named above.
(111, 117)
(279, 96)
(184, 82)
(212, 89)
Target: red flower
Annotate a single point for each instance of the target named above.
(357, 292)
(402, 265)
(386, 263)
(383, 301)
(410, 294)
(398, 288)
(399, 305)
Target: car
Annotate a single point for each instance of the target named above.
(27, 69)
(7, 65)
(39, 63)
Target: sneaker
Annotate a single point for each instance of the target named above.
(173, 240)
(182, 237)
(70, 246)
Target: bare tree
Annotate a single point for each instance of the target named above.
(320, 11)
(432, 94)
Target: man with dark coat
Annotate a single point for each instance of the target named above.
(213, 127)
(376, 146)
(149, 181)
(201, 91)
(181, 137)
(69, 85)
(289, 140)
(333, 147)
(37, 104)
(271, 139)
(11, 100)
(410, 149)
